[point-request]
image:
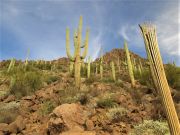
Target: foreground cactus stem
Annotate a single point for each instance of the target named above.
(129, 64)
(157, 69)
(71, 67)
(77, 58)
(113, 71)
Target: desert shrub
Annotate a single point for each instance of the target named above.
(8, 112)
(83, 98)
(68, 95)
(173, 75)
(106, 103)
(119, 83)
(47, 107)
(50, 79)
(90, 80)
(24, 82)
(145, 78)
(107, 80)
(115, 114)
(150, 127)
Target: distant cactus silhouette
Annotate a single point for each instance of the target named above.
(77, 58)
(27, 56)
(157, 69)
(129, 64)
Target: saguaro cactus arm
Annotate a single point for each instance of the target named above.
(130, 68)
(151, 43)
(85, 45)
(68, 45)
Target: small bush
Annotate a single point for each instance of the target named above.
(83, 99)
(106, 103)
(47, 107)
(173, 75)
(119, 83)
(50, 79)
(150, 127)
(116, 114)
(90, 80)
(107, 80)
(24, 83)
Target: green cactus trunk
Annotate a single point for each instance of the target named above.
(113, 71)
(101, 67)
(96, 68)
(118, 64)
(71, 67)
(129, 64)
(77, 58)
(157, 69)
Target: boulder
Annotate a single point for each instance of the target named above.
(17, 126)
(66, 117)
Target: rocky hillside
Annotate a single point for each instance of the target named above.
(41, 100)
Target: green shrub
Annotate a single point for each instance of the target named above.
(90, 80)
(150, 127)
(47, 107)
(24, 83)
(106, 103)
(50, 79)
(145, 78)
(115, 114)
(173, 75)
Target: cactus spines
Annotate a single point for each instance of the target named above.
(11, 65)
(129, 64)
(113, 71)
(156, 64)
(89, 67)
(77, 58)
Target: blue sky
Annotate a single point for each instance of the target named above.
(39, 25)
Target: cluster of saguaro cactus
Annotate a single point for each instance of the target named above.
(11, 65)
(89, 67)
(129, 64)
(77, 58)
(113, 71)
(157, 69)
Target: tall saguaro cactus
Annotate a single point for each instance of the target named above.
(129, 64)
(156, 64)
(113, 71)
(77, 58)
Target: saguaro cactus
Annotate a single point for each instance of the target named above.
(130, 69)
(26, 61)
(101, 67)
(77, 58)
(113, 71)
(118, 65)
(89, 67)
(156, 64)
